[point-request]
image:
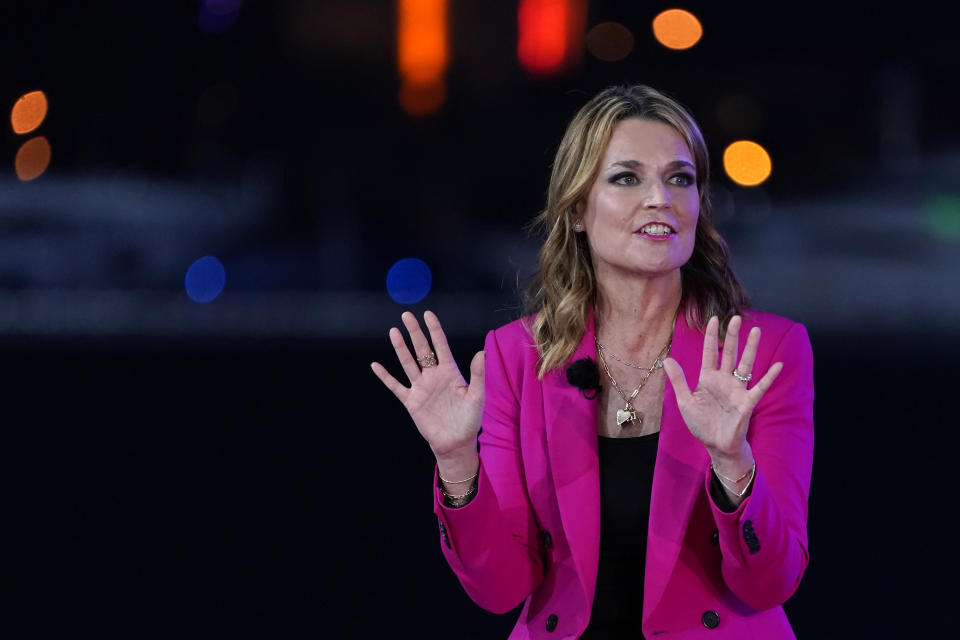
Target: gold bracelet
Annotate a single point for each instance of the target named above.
(460, 500)
(459, 481)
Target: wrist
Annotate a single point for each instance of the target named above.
(738, 459)
(459, 464)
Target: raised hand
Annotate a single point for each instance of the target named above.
(445, 409)
(718, 411)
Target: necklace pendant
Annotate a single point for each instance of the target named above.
(627, 415)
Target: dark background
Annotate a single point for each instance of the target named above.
(234, 467)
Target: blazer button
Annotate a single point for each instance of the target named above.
(545, 539)
(551, 622)
(710, 619)
(443, 533)
(715, 538)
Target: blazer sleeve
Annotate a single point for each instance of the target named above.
(491, 543)
(764, 541)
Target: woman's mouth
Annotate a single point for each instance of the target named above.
(656, 231)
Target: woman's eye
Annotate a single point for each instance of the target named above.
(683, 179)
(625, 179)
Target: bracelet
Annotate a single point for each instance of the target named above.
(459, 481)
(746, 473)
(457, 501)
(739, 494)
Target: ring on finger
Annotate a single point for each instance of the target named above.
(429, 360)
(741, 378)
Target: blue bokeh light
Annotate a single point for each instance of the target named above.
(216, 16)
(409, 280)
(205, 279)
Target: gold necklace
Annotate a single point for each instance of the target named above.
(629, 415)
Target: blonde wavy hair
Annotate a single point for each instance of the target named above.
(564, 288)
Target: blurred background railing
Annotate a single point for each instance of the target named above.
(213, 211)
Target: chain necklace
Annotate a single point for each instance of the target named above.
(614, 356)
(629, 415)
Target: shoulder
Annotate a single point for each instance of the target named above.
(770, 322)
(779, 332)
(514, 338)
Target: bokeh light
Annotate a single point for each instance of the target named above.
(609, 41)
(205, 279)
(28, 112)
(409, 280)
(942, 212)
(542, 26)
(422, 54)
(422, 100)
(216, 16)
(550, 34)
(32, 159)
(677, 29)
(747, 163)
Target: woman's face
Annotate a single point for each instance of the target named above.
(646, 177)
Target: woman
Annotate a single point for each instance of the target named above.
(628, 505)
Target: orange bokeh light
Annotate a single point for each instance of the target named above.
(422, 99)
(677, 29)
(423, 51)
(747, 163)
(28, 112)
(32, 159)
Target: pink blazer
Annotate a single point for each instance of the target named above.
(531, 533)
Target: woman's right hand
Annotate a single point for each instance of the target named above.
(445, 409)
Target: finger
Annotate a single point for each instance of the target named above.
(745, 368)
(709, 361)
(761, 387)
(391, 383)
(420, 345)
(679, 381)
(438, 337)
(409, 365)
(731, 343)
(477, 366)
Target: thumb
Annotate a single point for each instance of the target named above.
(476, 372)
(679, 381)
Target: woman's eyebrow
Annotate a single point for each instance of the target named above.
(633, 164)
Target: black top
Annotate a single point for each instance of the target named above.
(626, 482)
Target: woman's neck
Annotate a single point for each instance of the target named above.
(634, 315)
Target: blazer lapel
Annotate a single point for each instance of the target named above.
(678, 474)
(571, 429)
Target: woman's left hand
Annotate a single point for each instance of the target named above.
(718, 411)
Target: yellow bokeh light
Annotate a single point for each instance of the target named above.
(747, 163)
(609, 41)
(32, 159)
(677, 29)
(28, 112)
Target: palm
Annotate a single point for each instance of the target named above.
(444, 408)
(718, 410)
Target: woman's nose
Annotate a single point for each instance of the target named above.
(656, 196)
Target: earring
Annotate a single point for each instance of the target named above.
(578, 226)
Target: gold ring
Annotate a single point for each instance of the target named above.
(429, 360)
